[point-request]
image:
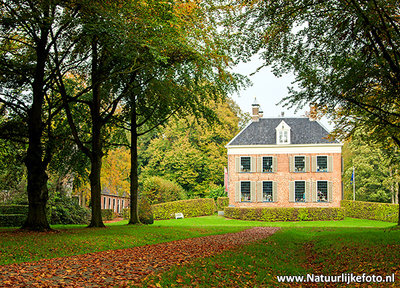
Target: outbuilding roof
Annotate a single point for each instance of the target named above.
(302, 131)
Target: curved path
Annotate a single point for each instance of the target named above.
(121, 267)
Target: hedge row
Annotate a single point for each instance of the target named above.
(12, 220)
(222, 202)
(285, 214)
(189, 208)
(370, 210)
(13, 209)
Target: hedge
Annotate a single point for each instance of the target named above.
(189, 208)
(14, 209)
(371, 210)
(12, 220)
(285, 214)
(222, 202)
(107, 214)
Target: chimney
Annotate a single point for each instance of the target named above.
(255, 109)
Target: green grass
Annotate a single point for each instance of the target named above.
(18, 247)
(292, 251)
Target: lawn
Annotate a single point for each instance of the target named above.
(293, 251)
(18, 247)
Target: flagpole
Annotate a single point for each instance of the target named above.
(354, 184)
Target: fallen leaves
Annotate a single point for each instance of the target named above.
(124, 266)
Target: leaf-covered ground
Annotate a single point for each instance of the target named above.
(122, 267)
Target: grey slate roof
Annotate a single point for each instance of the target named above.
(303, 131)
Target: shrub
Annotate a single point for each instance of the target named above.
(14, 209)
(126, 213)
(217, 192)
(189, 208)
(65, 210)
(285, 214)
(159, 190)
(222, 202)
(370, 210)
(12, 220)
(107, 214)
(145, 212)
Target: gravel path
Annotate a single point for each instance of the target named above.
(121, 267)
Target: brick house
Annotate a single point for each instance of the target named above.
(284, 162)
(115, 202)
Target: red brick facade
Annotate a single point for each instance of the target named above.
(282, 176)
(114, 202)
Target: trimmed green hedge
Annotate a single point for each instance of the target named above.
(285, 214)
(12, 220)
(189, 208)
(107, 214)
(14, 209)
(371, 210)
(222, 202)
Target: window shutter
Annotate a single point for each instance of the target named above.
(274, 164)
(307, 159)
(275, 191)
(330, 164)
(308, 191)
(314, 191)
(253, 164)
(259, 164)
(291, 191)
(313, 164)
(329, 191)
(237, 192)
(291, 163)
(237, 164)
(259, 191)
(252, 191)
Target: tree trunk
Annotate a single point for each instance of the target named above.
(97, 151)
(134, 219)
(36, 167)
(95, 189)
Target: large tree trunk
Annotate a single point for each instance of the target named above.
(134, 219)
(36, 167)
(97, 151)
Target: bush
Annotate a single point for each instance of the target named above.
(12, 220)
(145, 212)
(107, 214)
(285, 214)
(217, 192)
(370, 210)
(159, 190)
(222, 202)
(189, 208)
(126, 213)
(14, 209)
(66, 211)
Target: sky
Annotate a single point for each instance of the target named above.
(269, 90)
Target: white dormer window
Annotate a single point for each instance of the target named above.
(283, 133)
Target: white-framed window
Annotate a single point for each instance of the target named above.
(104, 202)
(299, 164)
(109, 203)
(267, 191)
(245, 164)
(283, 133)
(322, 164)
(245, 191)
(267, 164)
(322, 191)
(300, 191)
